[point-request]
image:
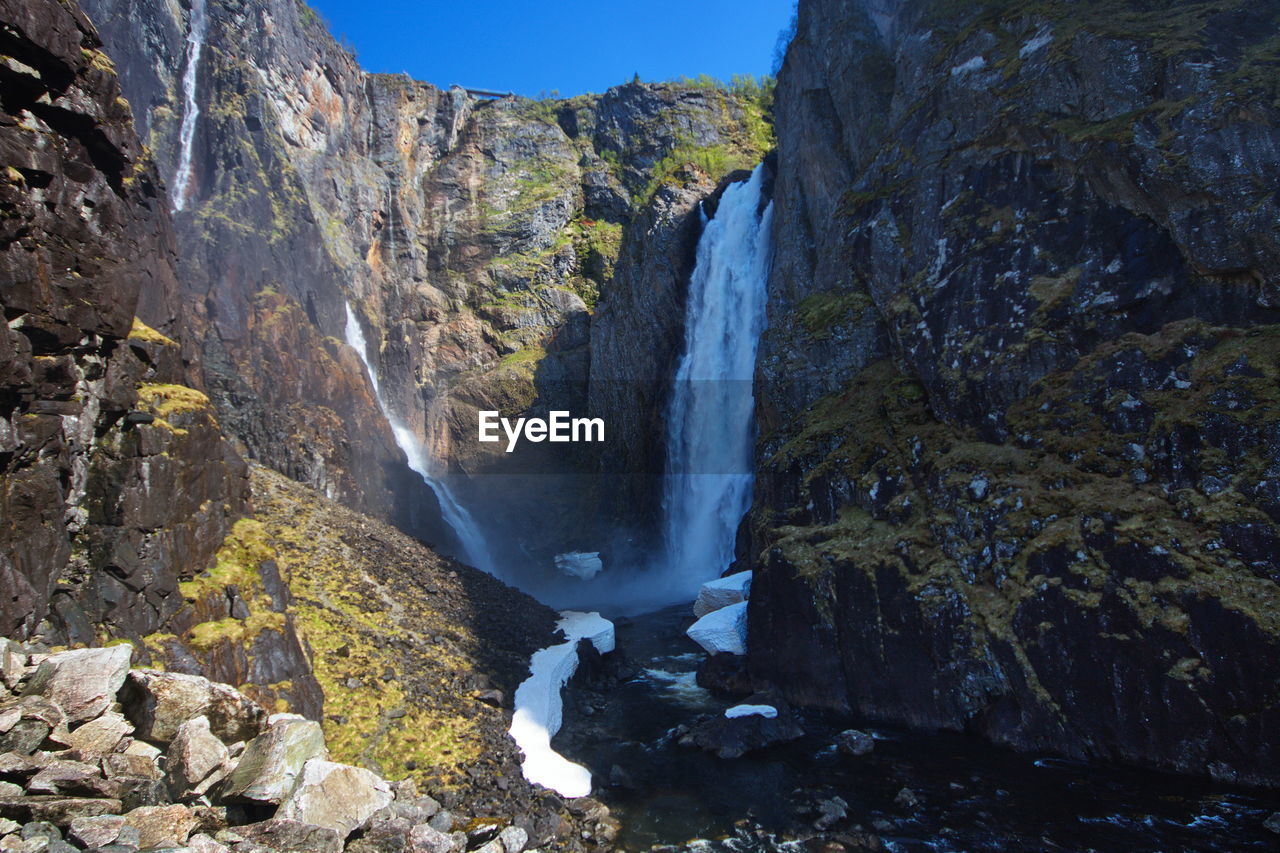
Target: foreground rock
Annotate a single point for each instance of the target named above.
(335, 796)
(196, 786)
(158, 703)
(762, 721)
(83, 682)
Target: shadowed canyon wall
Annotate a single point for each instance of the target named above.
(1018, 466)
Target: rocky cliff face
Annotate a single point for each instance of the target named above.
(473, 239)
(1018, 463)
(115, 482)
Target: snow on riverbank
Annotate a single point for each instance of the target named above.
(538, 706)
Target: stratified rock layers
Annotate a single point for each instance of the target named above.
(1018, 467)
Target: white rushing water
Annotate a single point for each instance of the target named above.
(711, 422)
(190, 108)
(455, 514)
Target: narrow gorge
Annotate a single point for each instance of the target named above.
(937, 505)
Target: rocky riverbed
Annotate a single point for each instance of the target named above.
(633, 721)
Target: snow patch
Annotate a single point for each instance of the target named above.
(975, 64)
(1040, 39)
(723, 630)
(539, 709)
(722, 592)
(767, 711)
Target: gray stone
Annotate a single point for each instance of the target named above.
(161, 825)
(95, 831)
(427, 839)
(83, 682)
(854, 742)
(74, 778)
(269, 768)
(514, 839)
(100, 736)
(196, 759)
(157, 703)
(336, 796)
(291, 836)
(57, 810)
(13, 663)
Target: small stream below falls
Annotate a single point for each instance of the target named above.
(971, 796)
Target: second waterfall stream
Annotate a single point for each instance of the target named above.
(454, 513)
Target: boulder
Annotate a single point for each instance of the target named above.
(428, 839)
(731, 737)
(72, 778)
(83, 682)
(854, 742)
(100, 736)
(13, 663)
(157, 703)
(95, 831)
(513, 839)
(37, 718)
(130, 765)
(336, 796)
(722, 592)
(196, 760)
(271, 763)
(291, 836)
(723, 630)
(202, 843)
(161, 826)
(57, 810)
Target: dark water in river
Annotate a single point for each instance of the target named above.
(971, 796)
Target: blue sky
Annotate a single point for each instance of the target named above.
(573, 47)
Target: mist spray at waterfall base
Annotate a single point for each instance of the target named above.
(710, 418)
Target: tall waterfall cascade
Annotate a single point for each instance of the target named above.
(191, 107)
(454, 513)
(711, 420)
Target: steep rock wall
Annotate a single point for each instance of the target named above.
(473, 238)
(115, 480)
(118, 490)
(1018, 425)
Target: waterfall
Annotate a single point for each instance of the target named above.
(455, 515)
(191, 109)
(711, 420)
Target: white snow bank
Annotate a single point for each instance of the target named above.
(538, 707)
(751, 711)
(722, 592)
(723, 630)
(580, 564)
